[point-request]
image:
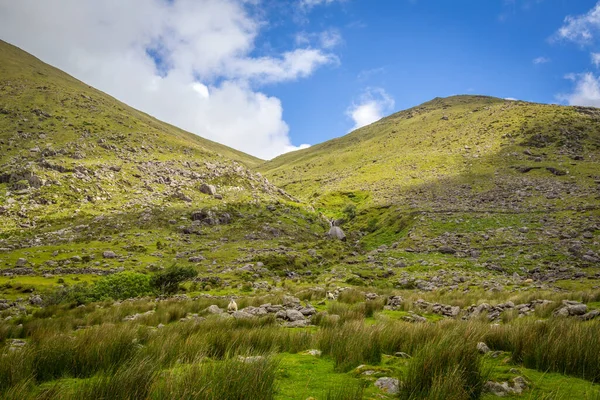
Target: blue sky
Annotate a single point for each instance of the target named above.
(418, 50)
(272, 76)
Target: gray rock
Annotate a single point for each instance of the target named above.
(577, 309)
(297, 324)
(109, 254)
(214, 309)
(388, 385)
(483, 348)
(196, 259)
(36, 300)
(561, 312)
(21, 262)
(336, 233)
(294, 315)
(241, 315)
(590, 315)
(208, 189)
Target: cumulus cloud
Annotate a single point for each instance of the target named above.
(586, 91)
(187, 62)
(595, 59)
(373, 105)
(312, 3)
(326, 39)
(582, 28)
(541, 60)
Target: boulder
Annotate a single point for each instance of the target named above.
(208, 189)
(241, 315)
(35, 300)
(336, 233)
(577, 309)
(109, 254)
(483, 348)
(214, 309)
(388, 385)
(293, 315)
(297, 324)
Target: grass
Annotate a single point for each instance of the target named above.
(405, 187)
(448, 368)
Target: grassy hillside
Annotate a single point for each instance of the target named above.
(81, 174)
(470, 269)
(473, 144)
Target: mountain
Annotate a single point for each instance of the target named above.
(82, 173)
(503, 183)
(483, 147)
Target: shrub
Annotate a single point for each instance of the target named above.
(123, 285)
(168, 280)
(79, 294)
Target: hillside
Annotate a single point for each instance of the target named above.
(82, 173)
(485, 148)
(139, 261)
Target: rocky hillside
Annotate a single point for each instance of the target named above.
(478, 181)
(82, 174)
(461, 152)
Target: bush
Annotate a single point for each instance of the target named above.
(78, 294)
(123, 285)
(168, 281)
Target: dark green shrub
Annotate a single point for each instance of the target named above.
(123, 285)
(168, 280)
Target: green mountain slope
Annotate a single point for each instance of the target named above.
(82, 173)
(433, 150)
(506, 185)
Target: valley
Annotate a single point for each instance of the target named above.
(470, 265)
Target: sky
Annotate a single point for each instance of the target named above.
(271, 76)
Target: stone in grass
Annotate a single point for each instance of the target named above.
(402, 354)
(294, 315)
(109, 254)
(21, 262)
(336, 233)
(214, 309)
(250, 359)
(483, 348)
(297, 324)
(241, 315)
(314, 352)
(208, 189)
(388, 385)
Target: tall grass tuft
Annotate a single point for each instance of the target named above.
(131, 380)
(565, 346)
(350, 345)
(214, 380)
(447, 368)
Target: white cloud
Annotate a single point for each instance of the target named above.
(326, 39)
(596, 59)
(330, 38)
(373, 105)
(541, 60)
(582, 28)
(312, 3)
(510, 99)
(188, 62)
(586, 91)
